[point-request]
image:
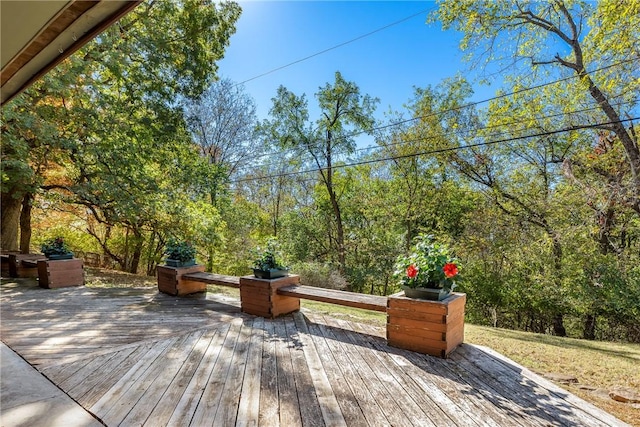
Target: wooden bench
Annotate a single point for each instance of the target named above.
(213, 279)
(30, 263)
(181, 281)
(430, 327)
(332, 296)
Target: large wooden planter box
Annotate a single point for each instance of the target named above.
(429, 327)
(170, 280)
(260, 298)
(60, 273)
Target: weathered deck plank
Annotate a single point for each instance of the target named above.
(249, 402)
(136, 357)
(351, 410)
(329, 407)
(463, 396)
(364, 398)
(288, 404)
(310, 412)
(269, 412)
(192, 395)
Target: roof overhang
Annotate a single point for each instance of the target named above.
(38, 35)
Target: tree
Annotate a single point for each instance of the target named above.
(223, 123)
(601, 36)
(593, 50)
(113, 101)
(343, 112)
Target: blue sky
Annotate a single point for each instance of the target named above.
(386, 65)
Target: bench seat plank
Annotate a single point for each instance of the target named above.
(350, 299)
(30, 263)
(214, 279)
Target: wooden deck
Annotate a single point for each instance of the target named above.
(138, 357)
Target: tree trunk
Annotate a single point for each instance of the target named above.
(340, 230)
(336, 212)
(10, 219)
(589, 330)
(558, 325)
(137, 251)
(25, 223)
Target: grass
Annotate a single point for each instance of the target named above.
(597, 364)
(101, 278)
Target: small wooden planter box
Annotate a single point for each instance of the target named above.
(61, 273)
(5, 265)
(29, 269)
(260, 298)
(170, 280)
(429, 327)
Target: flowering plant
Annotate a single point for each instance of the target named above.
(429, 265)
(180, 250)
(55, 246)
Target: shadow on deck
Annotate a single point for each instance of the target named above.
(137, 357)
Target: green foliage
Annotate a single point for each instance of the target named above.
(180, 250)
(320, 275)
(55, 246)
(105, 127)
(270, 257)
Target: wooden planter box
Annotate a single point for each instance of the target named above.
(5, 265)
(259, 296)
(429, 327)
(170, 280)
(60, 273)
(29, 269)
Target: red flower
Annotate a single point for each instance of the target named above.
(450, 270)
(412, 271)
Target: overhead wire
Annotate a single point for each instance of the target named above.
(481, 128)
(465, 132)
(370, 33)
(460, 107)
(435, 151)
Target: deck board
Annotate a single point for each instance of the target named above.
(137, 357)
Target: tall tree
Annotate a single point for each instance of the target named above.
(592, 48)
(222, 122)
(343, 112)
(564, 38)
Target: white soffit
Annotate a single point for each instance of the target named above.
(37, 35)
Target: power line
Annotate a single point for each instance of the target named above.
(460, 132)
(468, 131)
(336, 46)
(436, 151)
(460, 107)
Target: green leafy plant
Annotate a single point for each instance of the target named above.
(269, 258)
(429, 265)
(180, 250)
(55, 246)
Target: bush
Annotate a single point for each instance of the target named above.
(320, 275)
